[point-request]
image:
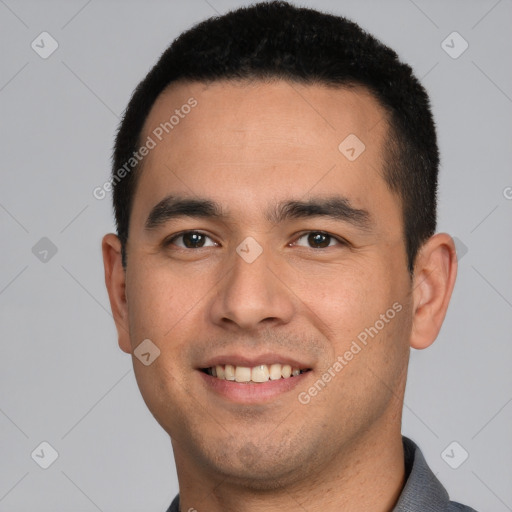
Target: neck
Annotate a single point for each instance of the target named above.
(366, 476)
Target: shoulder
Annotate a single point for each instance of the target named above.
(423, 491)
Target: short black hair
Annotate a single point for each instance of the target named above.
(278, 41)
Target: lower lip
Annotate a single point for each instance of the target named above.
(252, 392)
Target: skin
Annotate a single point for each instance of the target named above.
(247, 147)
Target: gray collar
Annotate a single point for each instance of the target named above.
(423, 491)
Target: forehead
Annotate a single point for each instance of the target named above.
(243, 142)
(256, 111)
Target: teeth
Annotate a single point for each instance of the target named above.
(260, 373)
(242, 374)
(275, 372)
(219, 370)
(229, 372)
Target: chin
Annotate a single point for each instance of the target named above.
(259, 467)
(265, 477)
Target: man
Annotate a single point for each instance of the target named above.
(274, 182)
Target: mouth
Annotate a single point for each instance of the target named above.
(258, 374)
(252, 379)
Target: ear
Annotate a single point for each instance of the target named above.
(115, 279)
(435, 271)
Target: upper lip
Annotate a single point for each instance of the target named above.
(244, 360)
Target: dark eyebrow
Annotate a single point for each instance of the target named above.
(171, 207)
(335, 207)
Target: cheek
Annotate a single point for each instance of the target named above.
(163, 307)
(349, 303)
(344, 297)
(159, 299)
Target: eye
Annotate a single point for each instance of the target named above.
(319, 240)
(190, 240)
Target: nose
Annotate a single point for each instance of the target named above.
(253, 295)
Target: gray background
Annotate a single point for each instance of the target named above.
(63, 378)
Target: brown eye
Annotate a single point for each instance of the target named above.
(193, 240)
(318, 240)
(190, 240)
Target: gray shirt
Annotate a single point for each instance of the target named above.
(422, 492)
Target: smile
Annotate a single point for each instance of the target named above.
(258, 374)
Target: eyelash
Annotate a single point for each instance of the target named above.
(170, 240)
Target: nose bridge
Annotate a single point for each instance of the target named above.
(252, 292)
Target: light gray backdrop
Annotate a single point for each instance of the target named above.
(64, 381)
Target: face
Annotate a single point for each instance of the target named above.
(258, 246)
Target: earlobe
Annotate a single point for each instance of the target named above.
(435, 271)
(115, 280)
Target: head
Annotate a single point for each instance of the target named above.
(284, 209)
